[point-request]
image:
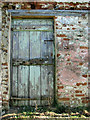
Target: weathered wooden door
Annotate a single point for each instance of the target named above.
(32, 68)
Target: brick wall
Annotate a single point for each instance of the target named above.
(81, 1)
(72, 59)
(5, 57)
(50, 5)
(71, 51)
(0, 60)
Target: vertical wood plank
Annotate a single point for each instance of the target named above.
(47, 46)
(50, 83)
(26, 44)
(35, 84)
(21, 55)
(19, 85)
(43, 45)
(32, 83)
(47, 84)
(23, 44)
(50, 46)
(29, 73)
(15, 44)
(23, 83)
(44, 84)
(34, 44)
(14, 84)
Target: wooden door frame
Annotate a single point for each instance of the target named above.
(55, 52)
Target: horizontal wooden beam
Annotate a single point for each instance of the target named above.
(32, 17)
(32, 62)
(32, 30)
(26, 25)
(47, 12)
(20, 99)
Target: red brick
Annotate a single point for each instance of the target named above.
(80, 63)
(57, 28)
(4, 63)
(85, 101)
(80, 95)
(68, 59)
(85, 98)
(64, 99)
(58, 55)
(5, 100)
(84, 83)
(60, 87)
(66, 39)
(6, 68)
(72, 95)
(84, 76)
(78, 91)
(60, 3)
(4, 92)
(56, 24)
(62, 35)
(78, 84)
(73, 28)
(83, 47)
(68, 28)
(58, 79)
